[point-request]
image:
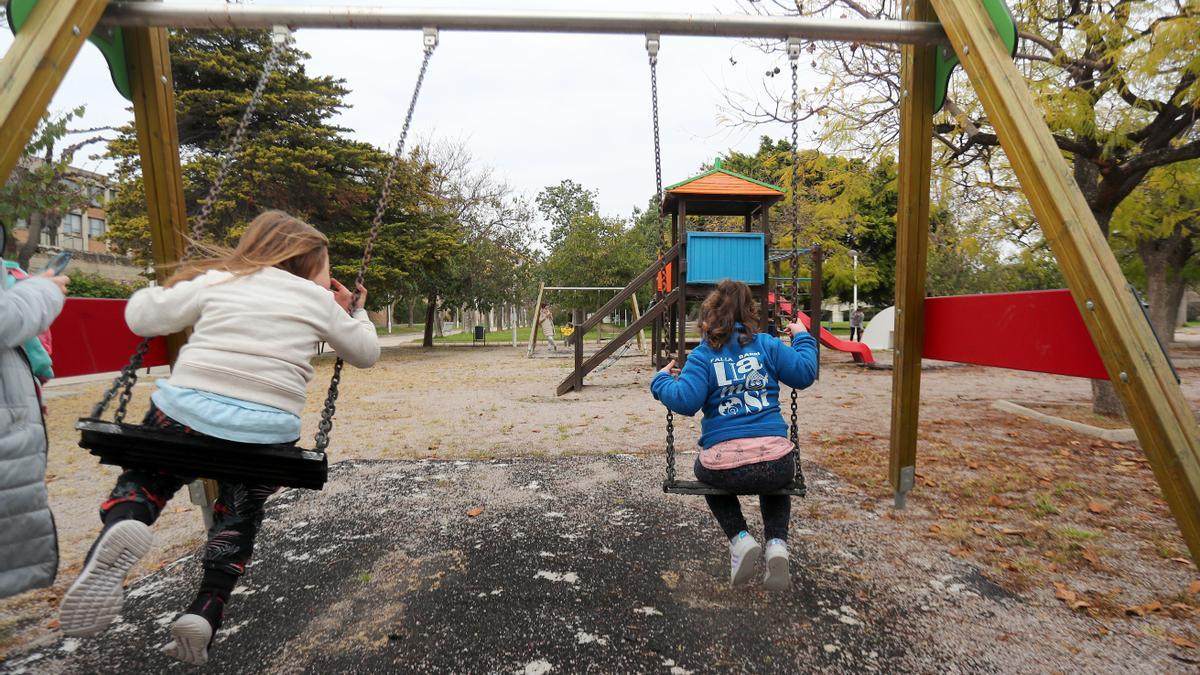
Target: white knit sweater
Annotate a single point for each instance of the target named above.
(253, 335)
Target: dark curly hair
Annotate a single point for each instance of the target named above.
(730, 302)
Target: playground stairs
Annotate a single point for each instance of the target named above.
(574, 381)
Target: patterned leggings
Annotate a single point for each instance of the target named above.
(237, 513)
(776, 509)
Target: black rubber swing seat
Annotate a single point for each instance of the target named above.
(136, 446)
(695, 487)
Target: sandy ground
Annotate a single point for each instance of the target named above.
(997, 498)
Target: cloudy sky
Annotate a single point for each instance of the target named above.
(536, 108)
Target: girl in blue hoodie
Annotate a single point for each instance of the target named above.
(734, 376)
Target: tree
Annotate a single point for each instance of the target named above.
(1159, 224)
(588, 249)
(561, 204)
(39, 191)
(1115, 79)
(846, 204)
(293, 157)
(495, 258)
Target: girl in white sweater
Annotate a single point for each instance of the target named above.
(256, 312)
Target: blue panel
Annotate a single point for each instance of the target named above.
(713, 256)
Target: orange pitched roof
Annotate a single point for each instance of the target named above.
(721, 181)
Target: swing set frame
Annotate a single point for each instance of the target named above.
(33, 67)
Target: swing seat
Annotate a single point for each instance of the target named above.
(695, 487)
(140, 447)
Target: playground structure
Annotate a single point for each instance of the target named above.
(1133, 360)
(693, 262)
(535, 323)
(859, 351)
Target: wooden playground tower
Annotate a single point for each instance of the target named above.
(693, 262)
(54, 32)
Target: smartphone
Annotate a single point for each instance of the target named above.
(58, 263)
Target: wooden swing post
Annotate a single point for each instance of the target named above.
(537, 318)
(912, 244)
(1136, 365)
(34, 66)
(153, 87)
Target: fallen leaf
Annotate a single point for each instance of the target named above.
(52, 624)
(1097, 507)
(935, 528)
(1143, 610)
(1090, 556)
(1185, 561)
(972, 465)
(1182, 642)
(1052, 567)
(978, 530)
(1011, 531)
(998, 501)
(1194, 588)
(475, 511)
(959, 552)
(1069, 597)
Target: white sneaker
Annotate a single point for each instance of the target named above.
(192, 634)
(777, 577)
(95, 599)
(743, 554)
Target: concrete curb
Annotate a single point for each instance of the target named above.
(1111, 435)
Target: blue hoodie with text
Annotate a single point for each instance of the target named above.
(737, 386)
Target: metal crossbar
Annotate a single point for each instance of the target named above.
(239, 16)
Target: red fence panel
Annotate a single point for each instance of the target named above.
(1039, 331)
(90, 336)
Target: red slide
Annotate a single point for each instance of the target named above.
(860, 352)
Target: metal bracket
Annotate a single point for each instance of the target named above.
(281, 34)
(430, 37)
(907, 475)
(793, 49)
(652, 44)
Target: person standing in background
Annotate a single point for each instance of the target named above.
(546, 316)
(856, 324)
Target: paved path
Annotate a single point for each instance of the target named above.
(580, 564)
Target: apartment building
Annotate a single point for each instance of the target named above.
(82, 231)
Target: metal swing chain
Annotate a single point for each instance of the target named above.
(125, 381)
(793, 47)
(652, 44)
(325, 426)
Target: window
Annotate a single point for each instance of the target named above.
(72, 224)
(95, 227)
(21, 224)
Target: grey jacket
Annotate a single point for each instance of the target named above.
(28, 545)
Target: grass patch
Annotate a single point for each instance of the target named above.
(505, 336)
(399, 330)
(1043, 505)
(1063, 487)
(1076, 534)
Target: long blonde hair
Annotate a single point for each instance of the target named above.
(273, 239)
(729, 303)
